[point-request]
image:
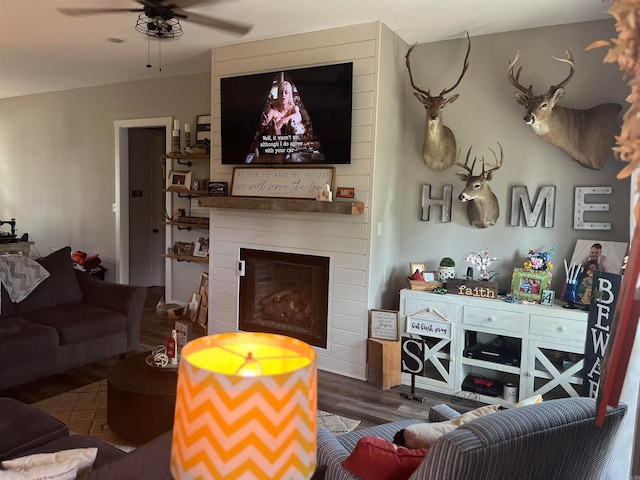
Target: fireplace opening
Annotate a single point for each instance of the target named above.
(285, 293)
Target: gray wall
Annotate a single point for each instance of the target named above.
(486, 113)
(57, 157)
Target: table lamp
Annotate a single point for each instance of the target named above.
(246, 408)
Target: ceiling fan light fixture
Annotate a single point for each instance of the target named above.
(159, 27)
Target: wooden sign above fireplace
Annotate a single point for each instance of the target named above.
(281, 182)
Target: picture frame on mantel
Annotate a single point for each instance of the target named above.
(299, 182)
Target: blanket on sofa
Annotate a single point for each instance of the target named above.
(20, 275)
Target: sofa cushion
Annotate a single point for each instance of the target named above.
(378, 459)
(424, 435)
(78, 322)
(24, 341)
(28, 427)
(61, 287)
(7, 308)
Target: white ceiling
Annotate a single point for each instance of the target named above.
(42, 50)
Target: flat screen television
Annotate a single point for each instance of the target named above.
(287, 117)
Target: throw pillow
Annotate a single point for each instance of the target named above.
(62, 465)
(529, 401)
(424, 435)
(376, 459)
(61, 287)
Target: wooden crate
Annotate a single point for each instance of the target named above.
(383, 363)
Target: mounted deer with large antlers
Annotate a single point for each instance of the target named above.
(439, 148)
(483, 209)
(586, 135)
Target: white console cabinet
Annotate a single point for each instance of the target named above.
(548, 344)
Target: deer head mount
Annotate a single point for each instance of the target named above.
(483, 209)
(586, 135)
(439, 148)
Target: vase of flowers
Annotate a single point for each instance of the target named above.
(481, 261)
(541, 260)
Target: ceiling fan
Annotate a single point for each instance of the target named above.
(160, 18)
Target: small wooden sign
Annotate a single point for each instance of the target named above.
(346, 192)
(472, 288)
(384, 325)
(429, 327)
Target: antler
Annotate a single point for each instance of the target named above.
(572, 66)
(444, 90)
(494, 166)
(408, 63)
(464, 70)
(515, 81)
(465, 165)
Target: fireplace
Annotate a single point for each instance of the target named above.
(285, 293)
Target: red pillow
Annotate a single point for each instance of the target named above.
(378, 459)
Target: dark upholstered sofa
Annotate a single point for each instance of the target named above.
(555, 439)
(25, 430)
(69, 320)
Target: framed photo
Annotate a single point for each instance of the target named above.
(183, 248)
(413, 266)
(608, 256)
(179, 180)
(202, 247)
(529, 284)
(384, 324)
(203, 291)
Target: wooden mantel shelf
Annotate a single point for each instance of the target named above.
(283, 205)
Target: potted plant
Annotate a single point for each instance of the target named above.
(447, 269)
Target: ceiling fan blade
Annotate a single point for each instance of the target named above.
(75, 12)
(233, 27)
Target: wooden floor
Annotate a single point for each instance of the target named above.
(337, 394)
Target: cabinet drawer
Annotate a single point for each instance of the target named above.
(413, 306)
(558, 328)
(494, 319)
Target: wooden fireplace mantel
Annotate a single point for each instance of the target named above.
(283, 205)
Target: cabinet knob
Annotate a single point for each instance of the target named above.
(562, 329)
(492, 319)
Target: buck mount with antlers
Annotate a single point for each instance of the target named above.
(483, 208)
(439, 148)
(586, 135)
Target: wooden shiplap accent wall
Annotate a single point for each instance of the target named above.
(345, 239)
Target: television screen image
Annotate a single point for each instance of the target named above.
(290, 116)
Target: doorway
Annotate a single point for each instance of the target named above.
(146, 206)
(139, 144)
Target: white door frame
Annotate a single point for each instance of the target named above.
(122, 188)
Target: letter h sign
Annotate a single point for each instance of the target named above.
(445, 203)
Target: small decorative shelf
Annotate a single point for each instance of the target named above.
(283, 205)
(188, 226)
(187, 258)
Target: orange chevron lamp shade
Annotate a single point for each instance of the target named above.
(246, 409)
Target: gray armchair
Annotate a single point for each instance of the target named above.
(555, 439)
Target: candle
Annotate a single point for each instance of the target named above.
(187, 127)
(176, 124)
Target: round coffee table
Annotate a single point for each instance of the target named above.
(141, 399)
